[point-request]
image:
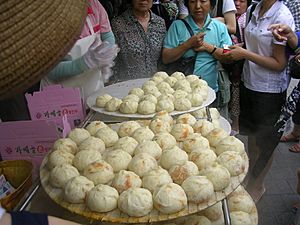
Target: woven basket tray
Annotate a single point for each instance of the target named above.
(116, 216)
(19, 174)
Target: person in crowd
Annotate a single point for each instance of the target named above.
(206, 45)
(139, 34)
(263, 88)
(237, 68)
(166, 9)
(183, 11)
(24, 217)
(283, 32)
(224, 11)
(88, 64)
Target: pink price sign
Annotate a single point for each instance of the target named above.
(29, 140)
(54, 103)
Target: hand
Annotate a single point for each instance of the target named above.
(196, 40)
(202, 48)
(100, 54)
(236, 52)
(281, 32)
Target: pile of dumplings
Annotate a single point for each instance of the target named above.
(136, 168)
(161, 92)
(241, 206)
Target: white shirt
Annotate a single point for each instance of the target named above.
(259, 40)
(228, 6)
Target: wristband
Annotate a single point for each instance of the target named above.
(212, 52)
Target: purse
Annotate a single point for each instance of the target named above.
(184, 65)
(295, 68)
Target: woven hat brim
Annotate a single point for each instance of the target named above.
(34, 36)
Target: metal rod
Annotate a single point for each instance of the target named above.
(208, 114)
(28, 197)
(226, 213)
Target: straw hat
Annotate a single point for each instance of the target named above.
(34, 36)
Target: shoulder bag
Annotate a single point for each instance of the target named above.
(184, 65)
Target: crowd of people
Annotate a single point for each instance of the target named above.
(135, 43)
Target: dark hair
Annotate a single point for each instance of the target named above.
(212, 3)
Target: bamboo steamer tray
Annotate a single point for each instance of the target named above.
(117, 216)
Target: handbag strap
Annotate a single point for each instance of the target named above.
(188, 27)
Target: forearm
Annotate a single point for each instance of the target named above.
(293, 41)
(170, 55)
(109, 37)
(268, 62)
(67, 69)
(230, 22)
(216, 53)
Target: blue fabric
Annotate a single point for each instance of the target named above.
(298, 35)
(67, 69)
(109, 37)
(26, 218)
(216, 34)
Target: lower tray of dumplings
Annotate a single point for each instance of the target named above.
(155, 215)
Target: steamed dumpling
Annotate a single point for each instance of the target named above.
(181, 172)
(136, 91)
(158, 125)
(131, 97)
(142, 163)
(198, 189)
(173, 156)
(165, 104)
(136, 202)
(186, 119)
(127, 128)
(182, 104)
(76, 189)
(169, 198)
(149, 97)
(58, 158)
(102, 100)
(195, 142)
(129, 107)
(203, 158)
(113, 105)
(92, 143)
(165, 140)
(84, 158)
(102, 198)
(127, 144)
(108, 136)
(100, 172)
(181, 131)
(146, 107)
(59, 175)
(142, 134)
(156, 178)
(65, 144)
(232, 161)
(126, 179)
(78, 135)
(218, 175)
(178, 75)
(150, 147)
(94, 126)
(118, 159)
